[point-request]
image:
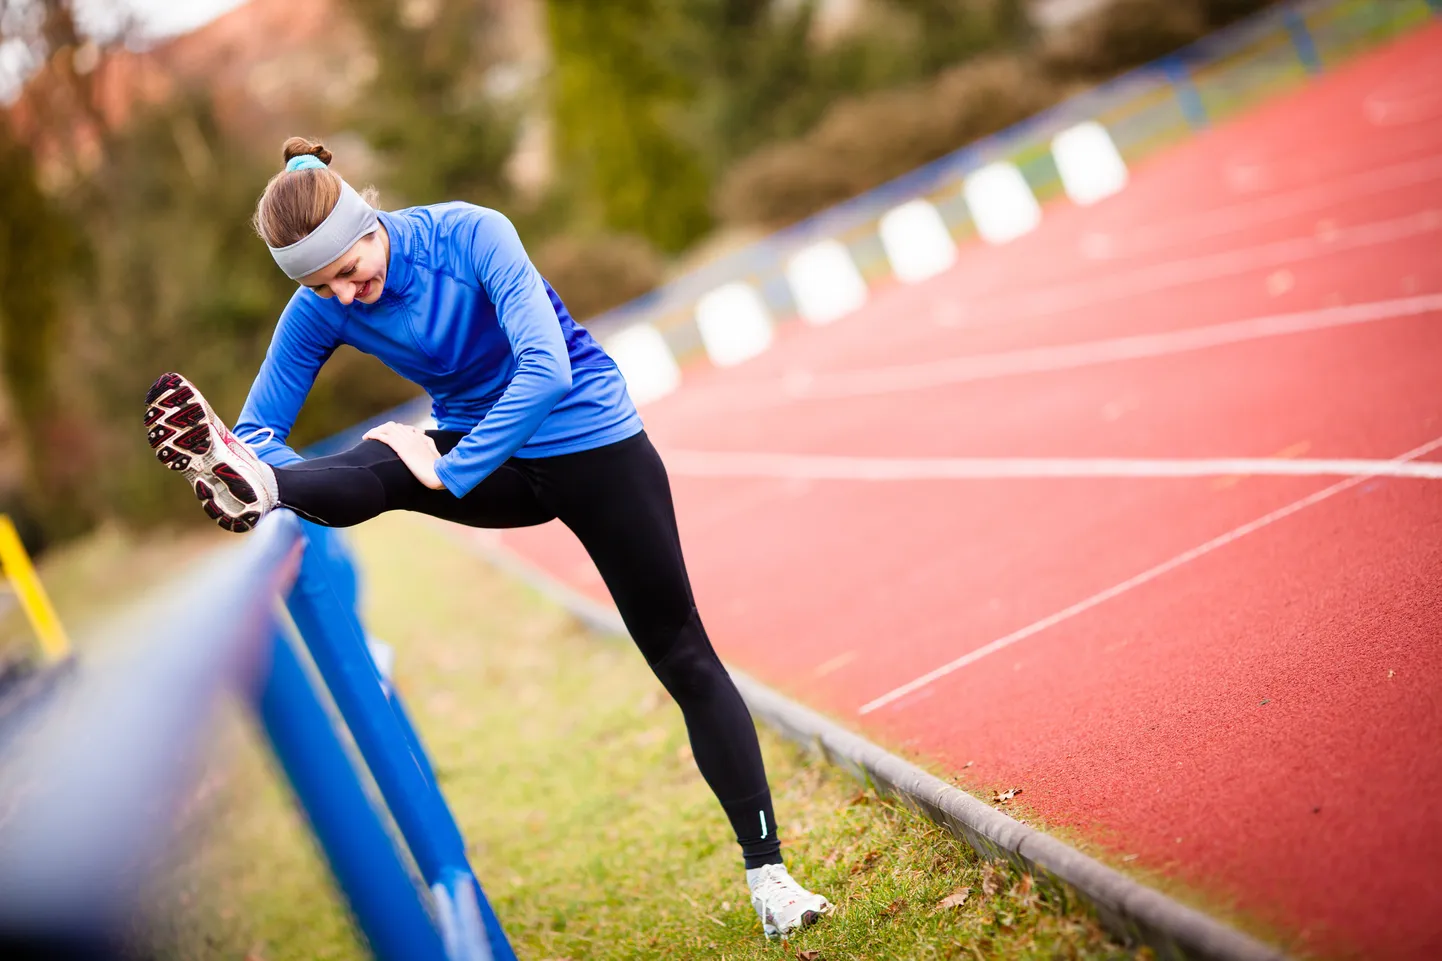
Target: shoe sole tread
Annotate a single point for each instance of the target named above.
(173, 405)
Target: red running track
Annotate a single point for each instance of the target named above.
(1258, 720)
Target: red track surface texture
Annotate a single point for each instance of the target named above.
(1260, 719)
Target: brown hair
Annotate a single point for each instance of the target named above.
(296, 201)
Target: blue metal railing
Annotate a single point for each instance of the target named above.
(392, 751)
(91, 782)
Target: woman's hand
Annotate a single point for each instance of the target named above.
(414, 447)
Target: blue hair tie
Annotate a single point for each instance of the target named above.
(304, 162)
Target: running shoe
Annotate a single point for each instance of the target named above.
(235, 487)
(783, 905)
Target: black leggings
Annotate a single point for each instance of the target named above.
(617, 501)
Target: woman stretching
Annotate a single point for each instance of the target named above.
(534, 424)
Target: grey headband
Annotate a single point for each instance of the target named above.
(351, 220)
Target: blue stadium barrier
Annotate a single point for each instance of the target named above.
(91, 778)
(337, 644)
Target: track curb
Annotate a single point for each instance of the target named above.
(1130, 910)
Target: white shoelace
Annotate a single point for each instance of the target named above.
(252, 441)
(772, 882)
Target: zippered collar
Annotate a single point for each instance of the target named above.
(399, 270)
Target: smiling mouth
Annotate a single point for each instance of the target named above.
(364, 289)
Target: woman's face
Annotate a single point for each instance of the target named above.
(359, 274)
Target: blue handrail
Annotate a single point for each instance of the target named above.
(337, 643)
(91, 784)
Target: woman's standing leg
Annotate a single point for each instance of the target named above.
(617, 500)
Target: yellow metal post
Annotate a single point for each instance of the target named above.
(54, 645)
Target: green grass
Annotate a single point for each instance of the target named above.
(570, 773)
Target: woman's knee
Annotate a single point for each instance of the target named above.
(689, 667)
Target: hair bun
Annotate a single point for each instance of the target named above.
(301, 147)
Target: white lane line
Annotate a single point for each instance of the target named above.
(755, 464)
(1144, 577)
(1001, 304)
(1237, 217)
(1037, 360)
(807, 385)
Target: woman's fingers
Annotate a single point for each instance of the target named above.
(391, 429)
(415, 447)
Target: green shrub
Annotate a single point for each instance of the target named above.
(866, 141)
(1128, 33)
(1219, 13)
(593, 274)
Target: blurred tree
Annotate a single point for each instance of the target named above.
(427, 111)
(950, 31)
(618, 98)
(776, 78)
(654, 101)
(38, 247)
(42, 245)
(764, 74)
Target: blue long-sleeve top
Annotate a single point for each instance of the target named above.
(466, 316)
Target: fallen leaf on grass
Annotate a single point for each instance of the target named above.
(991, 879)
(808, 956)
(867, 860)
(955, 899)
(895, 907)
(1004, 796)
